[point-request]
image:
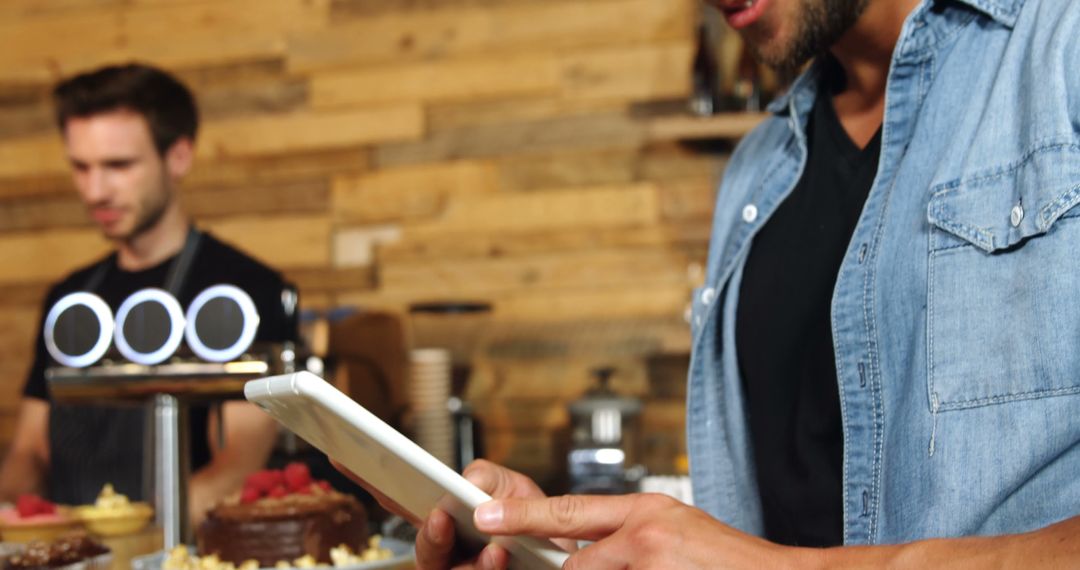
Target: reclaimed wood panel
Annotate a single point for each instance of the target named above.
(642, 300)
(600, 302)
(582, 338)
(283, 242)
(252, 136)
(230, 90)
(628, 73)
(409, 193)
(451, 115)
(724, 125)
(297, 196)
(19, 119)
(689, 198)
(37, 8)
(479, 277)
(539, 455)
(568, 169)
(313, 282)
(62, 211)
(582, 133)
(170, 34)
(463, 244)
(18, 326)
(548, 379)
(28, 257)
(279, 134)
(669, 160)
(295, 166)
(472, 79)
(355, 247)
(545, 210)
(453, 31)
(625, 73)
(22, 295)
(17, 357)
(364, 8)
(32, 156)
(511, 411)
(665, 415)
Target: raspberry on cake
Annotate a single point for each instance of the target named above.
(34, 518)
(283, 515)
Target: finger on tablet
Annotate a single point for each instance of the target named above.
(435, 542)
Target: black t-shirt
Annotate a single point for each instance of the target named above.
(94, 445)
(784, 336)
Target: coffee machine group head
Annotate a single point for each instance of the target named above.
(603, 452)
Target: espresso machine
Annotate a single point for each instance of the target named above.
(604, 440)
(135, 358)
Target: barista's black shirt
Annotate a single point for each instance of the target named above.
(94, 445)
(784, 336)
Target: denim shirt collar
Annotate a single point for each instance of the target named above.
(1004, 12)
(799, 99)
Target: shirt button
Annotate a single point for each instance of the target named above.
(749, 213)
(1017, 215)
(708, 295)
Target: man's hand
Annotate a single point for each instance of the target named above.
(633, 531)
(436, 545)
(654, 531)
(250, 434)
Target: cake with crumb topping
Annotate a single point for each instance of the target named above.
(283, 515)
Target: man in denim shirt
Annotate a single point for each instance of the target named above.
(953, 316)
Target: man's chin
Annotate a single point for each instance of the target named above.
(114, 232)
(784, 61)
(775, 46)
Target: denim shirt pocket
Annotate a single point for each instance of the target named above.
(1003, 314)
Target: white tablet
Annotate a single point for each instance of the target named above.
(386, 459)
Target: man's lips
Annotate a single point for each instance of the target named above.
(106, 215)
(742, 14)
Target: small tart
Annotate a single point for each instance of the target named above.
(112, 514)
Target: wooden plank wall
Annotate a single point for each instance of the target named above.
(382, 152)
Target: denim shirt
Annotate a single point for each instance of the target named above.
(956, 312)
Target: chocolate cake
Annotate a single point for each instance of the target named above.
(291, 520)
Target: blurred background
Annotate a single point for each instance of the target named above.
(534, 160)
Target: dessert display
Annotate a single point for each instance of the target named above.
(282, 515)
(112, 514)
(343, 556)
(180, 558)
(34, 518)
(75, 552)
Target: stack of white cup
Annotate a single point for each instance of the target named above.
(429, 390)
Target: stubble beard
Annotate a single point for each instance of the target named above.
(151, 209)
(819, 25)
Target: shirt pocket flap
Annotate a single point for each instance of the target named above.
(998, 209)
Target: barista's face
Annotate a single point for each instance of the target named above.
(123, 181)
(787, 33)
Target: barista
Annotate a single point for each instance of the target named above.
(129, 133)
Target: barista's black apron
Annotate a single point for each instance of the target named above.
(93, 445)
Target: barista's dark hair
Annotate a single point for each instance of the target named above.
(165, 103)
